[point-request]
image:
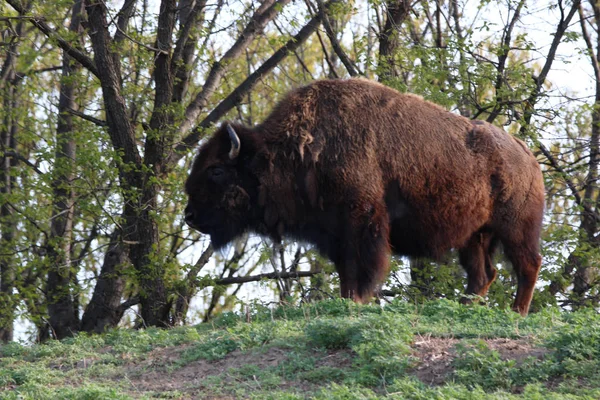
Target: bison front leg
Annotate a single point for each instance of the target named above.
(476, 259)
(364, 250)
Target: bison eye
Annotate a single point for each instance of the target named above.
(216, 171)
(217, 174)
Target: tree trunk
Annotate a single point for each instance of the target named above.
(585, 273)
(397, 11)
(191, 12)
(104, 309)
(63, 317)
(8, 225)
(140, 230)
(319, 283)
(189, 287)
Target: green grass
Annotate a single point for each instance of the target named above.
(328, 350)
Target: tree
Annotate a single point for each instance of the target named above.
(574, 166)
(146, 153)
(61, 290)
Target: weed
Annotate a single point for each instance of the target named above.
(332, 333)
(479, 366)
(383, 348)
(216, 345)
(345, 392)
(324, 374)
(296, 363)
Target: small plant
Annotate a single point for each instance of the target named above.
(577, 347)
(346, 392)
(296, 363)
(324, 374)
(479, 366)
(256, 377)
(216, 345)
(332, 333)
(383, 348)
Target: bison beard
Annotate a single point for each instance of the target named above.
(360, 170)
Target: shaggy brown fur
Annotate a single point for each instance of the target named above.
(360, 170)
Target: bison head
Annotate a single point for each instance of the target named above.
(221, 187)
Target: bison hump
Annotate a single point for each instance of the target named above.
(493, 145)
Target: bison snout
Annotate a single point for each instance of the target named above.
(197, 220)
(189, 216)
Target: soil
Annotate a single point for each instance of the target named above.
(153, 375)
(434, 356)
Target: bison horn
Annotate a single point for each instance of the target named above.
(235, 142)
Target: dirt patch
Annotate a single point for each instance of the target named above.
(516, 349)
(152, 375)
(158, 370)
(336, 359)
(436, 355)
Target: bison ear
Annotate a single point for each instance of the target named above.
(235, 143)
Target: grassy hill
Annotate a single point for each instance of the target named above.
(328, 350)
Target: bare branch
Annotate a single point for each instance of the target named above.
(332, 71)
(589, 45)
(23, 74)
(502, 59)
(123, 34)
(184, 34)
(298, 58)
(560, 31)
(120, 128)
(32, 222)
(87, 245)
(257, 23)
(133, 301)
(188, 291)
(20, 157)
(270, 275)
(568, 181)
(75, 53)
(536, 93)
(350, 66)
(81, 115)
(124, 16)
(237, 95)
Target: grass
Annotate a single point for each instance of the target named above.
(328, 350)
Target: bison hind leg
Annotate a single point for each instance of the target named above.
(477, 260)
(521, 244)
(526, 262)
(366, 250)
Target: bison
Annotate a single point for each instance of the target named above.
(361, 170)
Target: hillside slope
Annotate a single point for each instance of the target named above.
(328, 350)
